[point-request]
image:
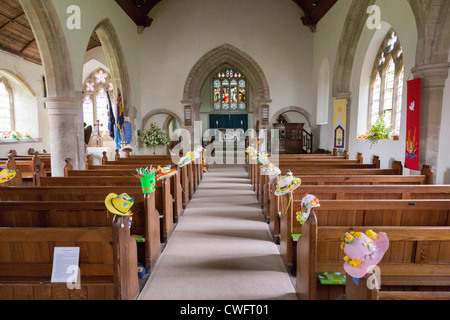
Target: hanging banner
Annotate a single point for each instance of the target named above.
(340, 123)
(413, 125)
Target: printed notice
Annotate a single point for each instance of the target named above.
(65, 264)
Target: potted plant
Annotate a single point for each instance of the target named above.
(154, 137)
(378, 131)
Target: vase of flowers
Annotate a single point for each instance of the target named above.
(154, 137)
(378, 131)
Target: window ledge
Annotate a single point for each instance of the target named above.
(14, 141)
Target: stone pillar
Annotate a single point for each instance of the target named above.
(66, 133)
(433, 82)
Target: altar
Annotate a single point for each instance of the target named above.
(97, 152)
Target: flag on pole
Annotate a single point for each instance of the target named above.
(111, 118)
(413, 125)
(120, 115)
(120, 121)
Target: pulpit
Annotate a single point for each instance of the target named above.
(292, 137)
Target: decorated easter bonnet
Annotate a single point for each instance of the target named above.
(286, 184)
(363, 251)
(252, 153)
(164, 173)
(184, 161)
(148, 179)
(270, 170)
(6, 175)
(119, 204)
(309, 201)
(263, 158)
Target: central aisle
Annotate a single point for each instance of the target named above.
(221, 248)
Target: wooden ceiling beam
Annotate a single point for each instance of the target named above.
(11, 20)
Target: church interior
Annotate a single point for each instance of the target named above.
(255, 141)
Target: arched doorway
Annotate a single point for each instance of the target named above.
(201, 80)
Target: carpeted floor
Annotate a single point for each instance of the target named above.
(221, 249)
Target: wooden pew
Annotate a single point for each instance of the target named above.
(254, 165)
(318, 250)
(316, 176)
(174, 182)
(146, 220)
(163, 197)
(108, 259)
(186, 173)
(326, 167)
(273, 203)
(28, 164)
(363, 292)
(25, 167)
(290, 228)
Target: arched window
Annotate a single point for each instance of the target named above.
(386, 90)
(95, 100)
(323, 92)
(230, 90)
(6, 107)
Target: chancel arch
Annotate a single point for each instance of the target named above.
(227, 57)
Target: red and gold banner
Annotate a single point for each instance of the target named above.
(413, 125)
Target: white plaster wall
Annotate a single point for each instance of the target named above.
(443, 172)
(326, 45)
(270, 31)
(29, 108)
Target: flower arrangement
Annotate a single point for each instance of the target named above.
(154, 137)
(378, 131)
(13, 135)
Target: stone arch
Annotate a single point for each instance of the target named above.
(20, 79)
(223, 55)
(116, 60)
(155, 112)
(300, 110)
(348, 44)
(63, 102)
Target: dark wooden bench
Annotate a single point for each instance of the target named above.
(28, 164)
(195, 169)
(362, 291)
(412, 253)
(108, 255)
(163, 197)
(324, 167)
(174, 182)
(290, 229)
(273, 204)
(187, 182)
(145, 216)
(176, 188)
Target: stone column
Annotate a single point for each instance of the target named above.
(433, 82)
(66, 133)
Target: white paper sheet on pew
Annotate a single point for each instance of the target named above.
(66, 265)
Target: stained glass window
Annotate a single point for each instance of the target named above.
(229, 91)
(386, 88)
(5, 108)
(102, 108)
(88, 111)
(101, 76)
(95, 101)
